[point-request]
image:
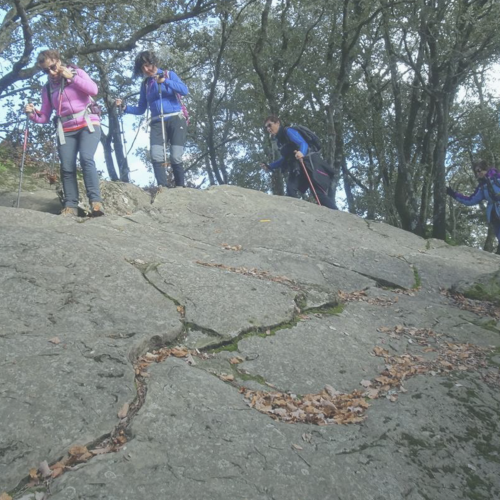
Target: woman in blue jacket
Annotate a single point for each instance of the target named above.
(488, 189)
(160, 91)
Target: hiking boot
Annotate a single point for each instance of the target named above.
(69, 212)
(97, 209)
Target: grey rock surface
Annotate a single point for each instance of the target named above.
(257, 277)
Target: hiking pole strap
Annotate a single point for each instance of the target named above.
(310, 182)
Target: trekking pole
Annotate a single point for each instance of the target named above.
(121, 128)
(310, 182)
(162, 127)
(25, 145)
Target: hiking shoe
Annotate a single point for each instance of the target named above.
(69, 212)
(97, 209)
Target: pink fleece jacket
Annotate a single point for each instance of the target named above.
(75, 97)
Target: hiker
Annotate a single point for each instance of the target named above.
(161, 90)
(294, 148)
(69, 93)
(488, 189)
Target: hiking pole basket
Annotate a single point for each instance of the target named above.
(309, 179)
(23, 159)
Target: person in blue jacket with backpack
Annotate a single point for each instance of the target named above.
(306, 169)
(488, 189)
(161, 90)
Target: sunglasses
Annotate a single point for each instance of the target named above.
(50, 68)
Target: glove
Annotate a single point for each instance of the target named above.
(450, 192)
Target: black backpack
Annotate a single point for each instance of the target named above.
(309, 136)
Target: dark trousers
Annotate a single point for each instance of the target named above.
(83, 144)
(175, 131)
(297, 184)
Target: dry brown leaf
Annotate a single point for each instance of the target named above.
(226, 378)
(236, 360)
(366, 383)
(34, 473)
(75, 451)
(331, 391)
(55, 340)
(372, 393)
(380, 352)
(101, 451)
(123, 411)
(179, 352)
(4, 496)
(57, 472)
(297, 447)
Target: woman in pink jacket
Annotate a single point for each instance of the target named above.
(69, 93)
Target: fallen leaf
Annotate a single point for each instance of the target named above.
(55, 340)
(236, 360)
(190, 360)
(45, 469)
(372, 393)
(226, 378)
(331, 391)
(34, 473)
(380, 352)
(123, 411)
(101, 451)
(307, 437)
(4, 496)
(75, 451)
(297, 447)
(57, 472)
(366, 383)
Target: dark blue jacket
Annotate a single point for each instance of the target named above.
(289, 141)
(150, 96)
(488, 189)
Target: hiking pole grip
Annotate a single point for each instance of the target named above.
(23, 159)
(309, 179)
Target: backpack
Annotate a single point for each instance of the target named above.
(315, 146)
(309, 136)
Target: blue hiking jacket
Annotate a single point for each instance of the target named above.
(294, 137)
(150, 96)
(488, 189)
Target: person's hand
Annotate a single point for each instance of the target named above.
(29, 109)
(450, 192)
(65, 72)
(160, 77)
(298, 155)
(265, 166)
(120, 104)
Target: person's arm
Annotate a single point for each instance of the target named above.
(141, 105)
(276, 164)
(296, 138)
(474, 199)
(82, 82)
(42, 115)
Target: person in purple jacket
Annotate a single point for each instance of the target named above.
(293, 148)
(69, 93)
(161, 91)
(488, 189)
